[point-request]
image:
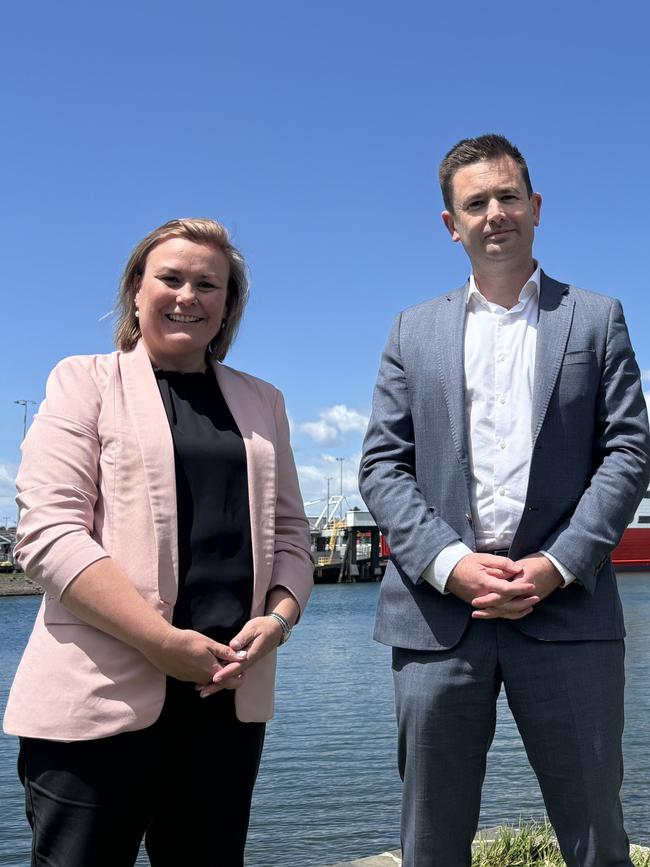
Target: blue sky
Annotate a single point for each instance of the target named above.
(313, 131)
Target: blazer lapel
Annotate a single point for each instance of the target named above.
(553, 326)
(449, 341)
(256, 428)
(156, 445)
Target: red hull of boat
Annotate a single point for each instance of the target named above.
(633, 551)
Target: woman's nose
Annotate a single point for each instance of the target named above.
(186, 294)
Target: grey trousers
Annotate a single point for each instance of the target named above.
(567, 701)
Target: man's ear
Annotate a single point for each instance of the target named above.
(448, 220)
(536, 205)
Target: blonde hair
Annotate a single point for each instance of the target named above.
(200, 231)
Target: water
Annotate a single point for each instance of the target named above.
(328, 789)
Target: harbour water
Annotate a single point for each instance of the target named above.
(328, 788)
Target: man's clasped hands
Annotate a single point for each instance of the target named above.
(497, 586)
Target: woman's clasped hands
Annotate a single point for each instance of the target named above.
(188, 655)
(258, 637)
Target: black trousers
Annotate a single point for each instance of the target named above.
(184, 784)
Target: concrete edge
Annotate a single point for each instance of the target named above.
(393, 858)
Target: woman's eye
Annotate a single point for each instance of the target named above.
(206, 287)
(169, 278)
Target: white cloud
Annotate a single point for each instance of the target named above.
(313, 478)
(7, 479)
(337, 431)
(647, 400)
(333, 422)
(309, 474)
(345, 419)
(320, 431)
(8, 508)
(645, 375)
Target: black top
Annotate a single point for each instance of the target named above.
(215, 556)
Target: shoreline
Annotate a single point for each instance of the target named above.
(539, 847)
(18, 584)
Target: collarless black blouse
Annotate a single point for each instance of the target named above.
(215, 556)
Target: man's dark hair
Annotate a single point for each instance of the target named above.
(472, 150)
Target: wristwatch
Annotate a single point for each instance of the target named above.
(284, 623)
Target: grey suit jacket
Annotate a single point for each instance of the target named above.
(590, 464)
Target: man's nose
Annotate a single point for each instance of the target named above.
(495, 212)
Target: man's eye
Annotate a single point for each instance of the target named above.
(472, 206)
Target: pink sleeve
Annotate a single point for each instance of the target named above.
(57, 479)
(293, 567)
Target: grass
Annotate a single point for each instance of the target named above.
(531, 845)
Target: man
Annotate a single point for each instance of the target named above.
(508, 449)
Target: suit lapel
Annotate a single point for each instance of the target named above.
(151, 426)
(553, 326)
(449, 340)
(255, 426)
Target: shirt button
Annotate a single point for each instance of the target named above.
(502, 492)
(501, 356)
(502, 444)
(502, 399)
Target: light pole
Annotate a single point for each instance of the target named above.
(340, 460)
(329, 479)
(24, 403)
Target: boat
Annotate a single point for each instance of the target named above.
(352, 548)
(633, 551)
(349, 548)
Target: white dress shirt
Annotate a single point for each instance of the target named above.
(499, 358)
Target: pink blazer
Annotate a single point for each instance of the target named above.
(97, 479)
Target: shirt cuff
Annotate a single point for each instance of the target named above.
(567, 577)
(442, 565)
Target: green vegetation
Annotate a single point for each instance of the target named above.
(531, 845)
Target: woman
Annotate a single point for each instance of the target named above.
(160, 511)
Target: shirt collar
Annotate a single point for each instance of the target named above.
(530, 289)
